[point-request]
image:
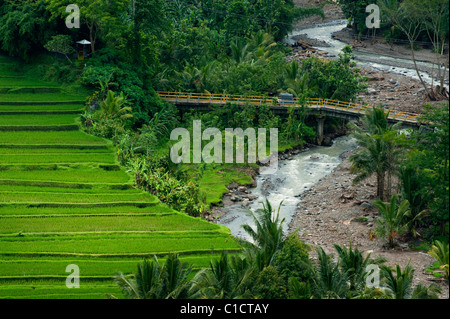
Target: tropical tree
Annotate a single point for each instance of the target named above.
(24, 27)
(412, 189)
(392, 221)
(379, 150)
(155, 281)
(292, 261)
(98, 16)
(114, 106)
(240, 51)
(269, 285)
(413, 17)
(328, 282)
(226, 278)
(61, 44)
(398, 284)
(354, 264)
(268, 235)
(440, 252)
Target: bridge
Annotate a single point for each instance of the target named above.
(317, 106)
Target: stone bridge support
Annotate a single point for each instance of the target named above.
(320, 123)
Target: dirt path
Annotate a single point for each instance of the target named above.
(335, 212)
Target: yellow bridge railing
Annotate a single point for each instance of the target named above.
(313, 103)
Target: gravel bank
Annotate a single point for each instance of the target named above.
(336, 212)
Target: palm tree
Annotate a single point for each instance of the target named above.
(226, 278)
(440, 252)
(375, 121)
(155, 281)
(329, 282)
(355, 265)
(369, 159)
(268, 235)
(400, 285)
(378, 152)
(412, 186)
(114, 106)
(260, 45)
(292, 70)
(392, 218)
(240, 52)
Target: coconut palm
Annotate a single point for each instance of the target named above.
(328, 282)
(412, 186)
(399, 286)
(155, 281)
(240, 51)
(440, 252)
(354, 264)
(114, 106)
(268, 235)
(226, 278)
(378, 150)
(392, 221)
(260, 44)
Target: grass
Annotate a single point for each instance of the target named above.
(64, 200)
(49, 138)
(12, 82)
(41, 197)
(57, 158)
(42, 108)
(86, 189)
(56, 289)
(42, 98)
(126, 245)
(52, 151)
(89, 223)
(215, 178)
(24, 210)
(22, 120)
(86, 175)
(88, 266)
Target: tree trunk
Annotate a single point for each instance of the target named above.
(429, 92)
(389, 185)
(91, 27)
(380, 186)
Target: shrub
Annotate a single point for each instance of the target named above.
(440, 252)
(293, 259)
(269, 285)
(392, 220)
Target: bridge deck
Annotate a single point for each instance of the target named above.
(323, 106)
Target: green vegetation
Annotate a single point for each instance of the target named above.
(255, 274)
(65, 200)
(418, 161)
(440, 252)
(414, 23)
(99, 189)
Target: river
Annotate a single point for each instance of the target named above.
(307, 168)
(324, 32)
(292, 178)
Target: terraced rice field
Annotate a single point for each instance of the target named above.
(65, 200)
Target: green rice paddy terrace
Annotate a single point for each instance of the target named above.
(64, 200)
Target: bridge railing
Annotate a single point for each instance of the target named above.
(345, 107)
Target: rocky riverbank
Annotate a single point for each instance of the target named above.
(336, 212)
(240, 195)
(393, 90)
